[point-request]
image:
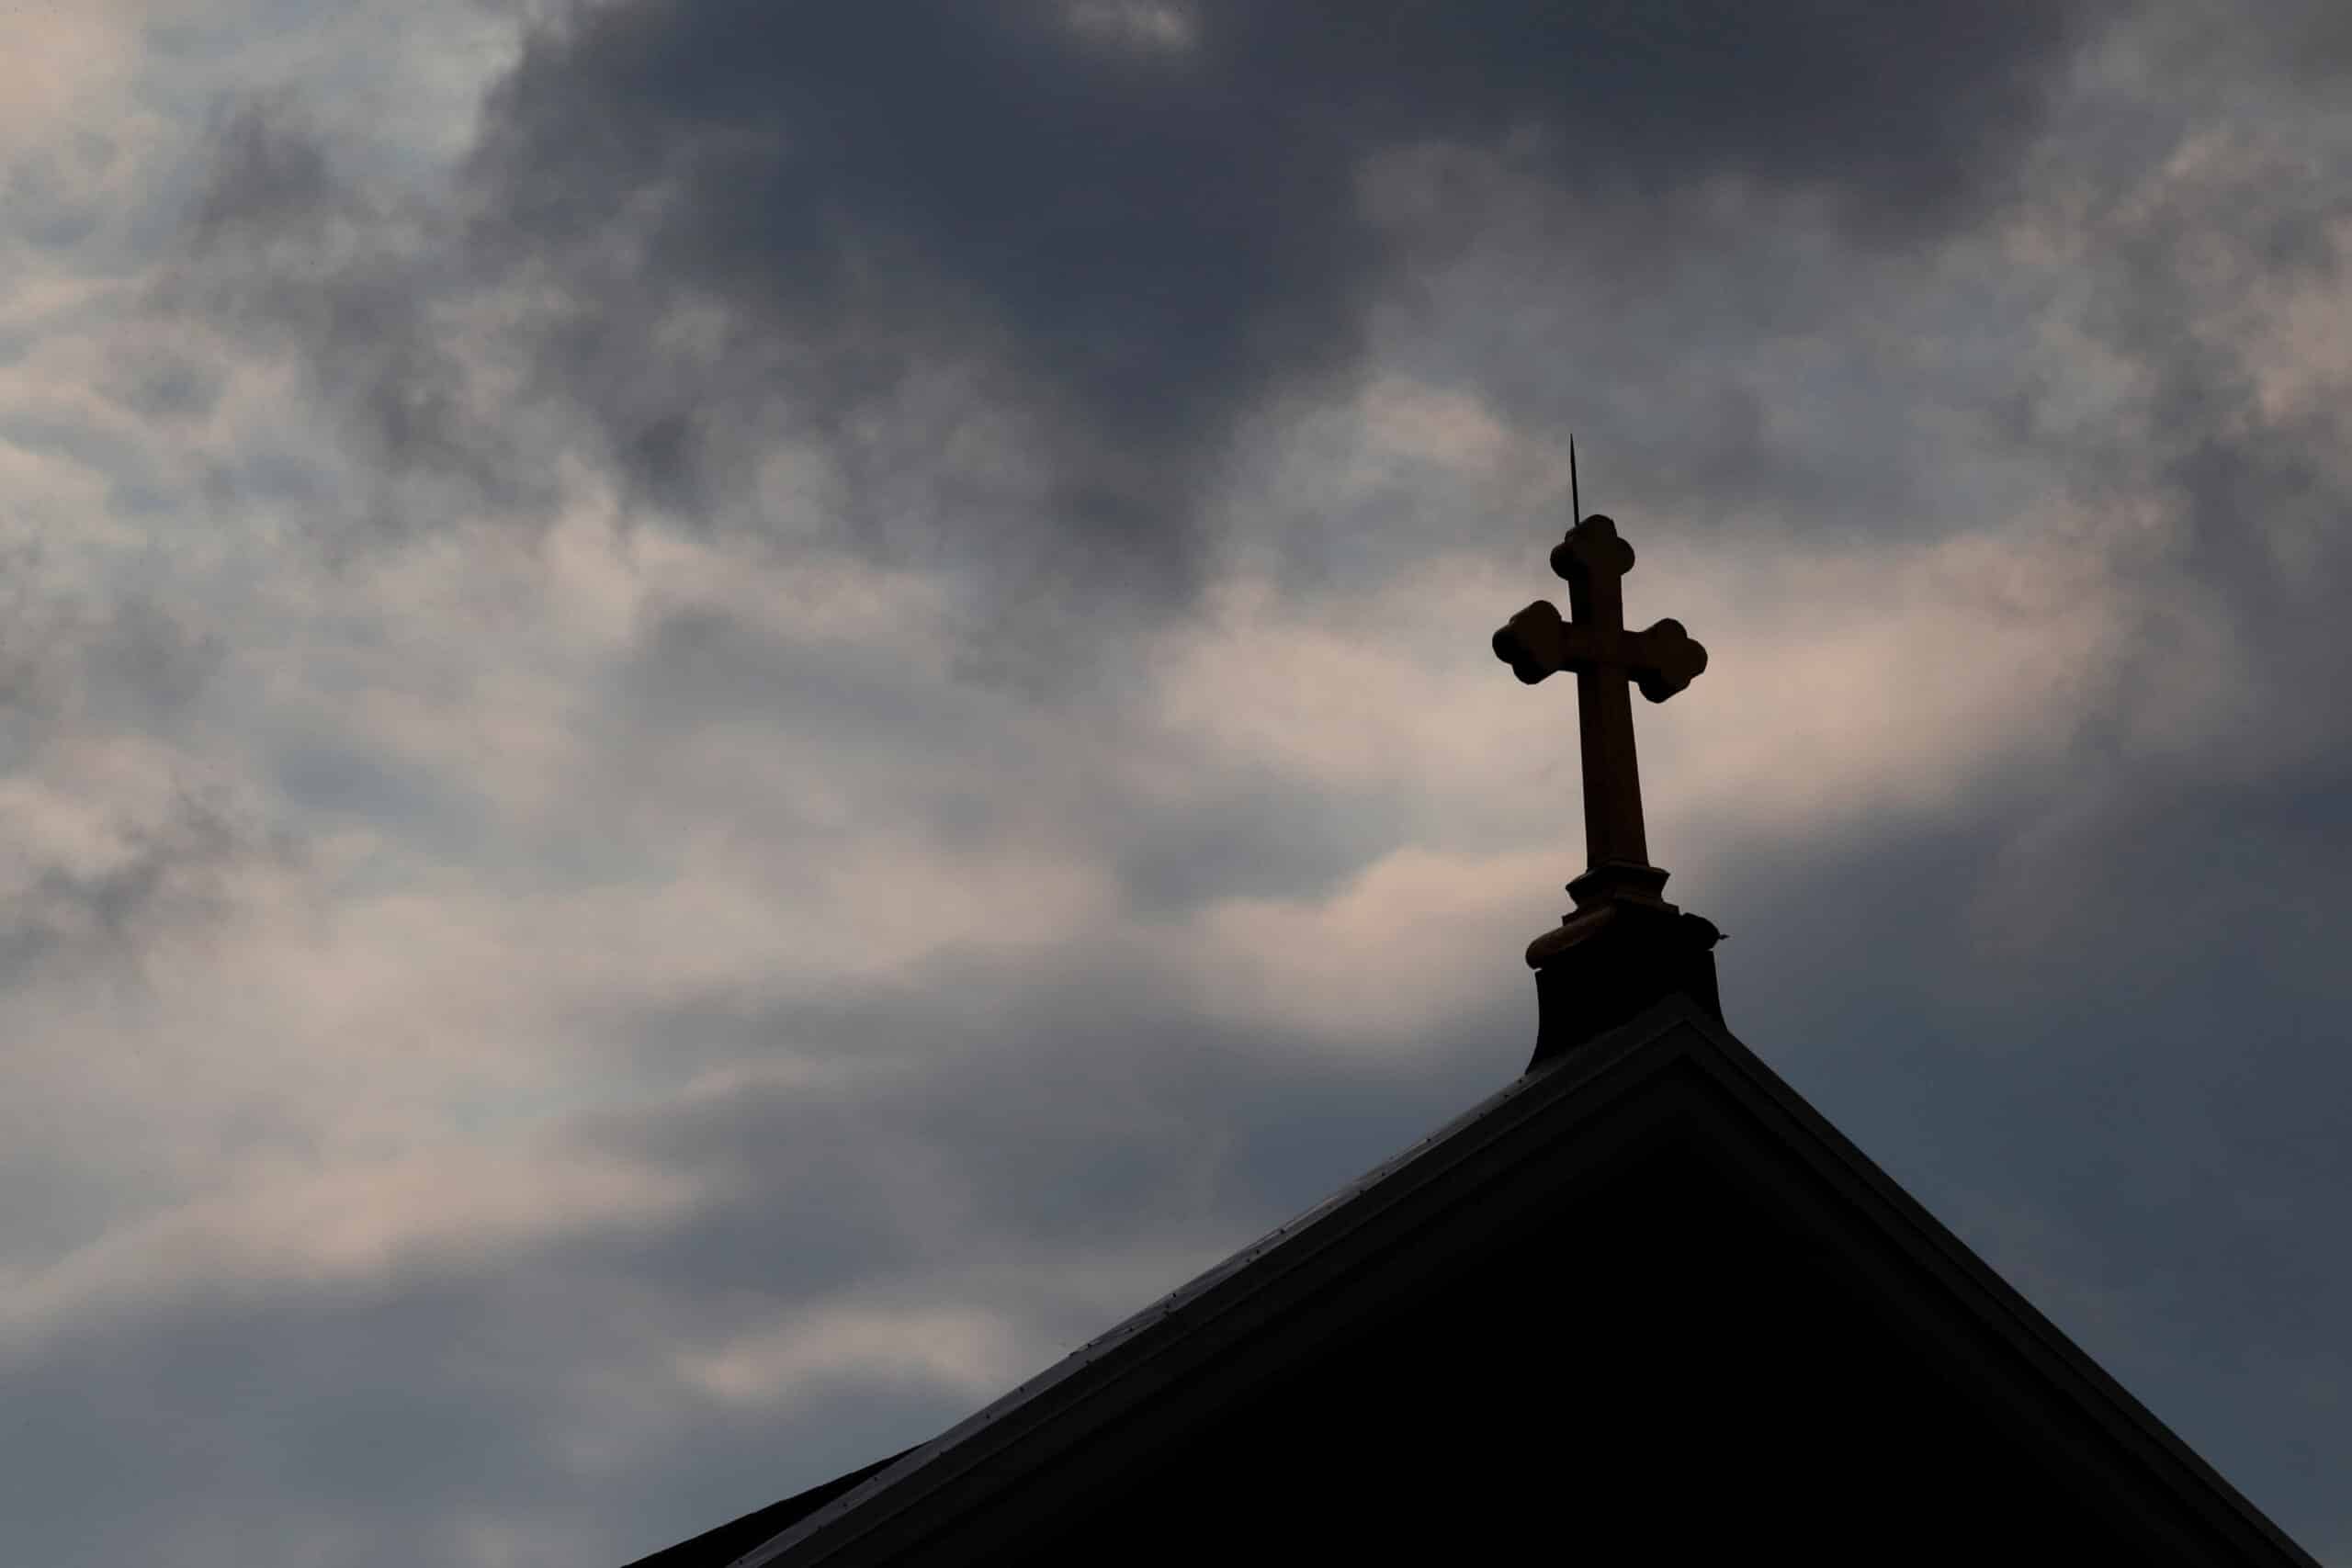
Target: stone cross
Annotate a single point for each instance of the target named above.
(1604, 657)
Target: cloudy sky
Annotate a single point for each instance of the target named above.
(722, 719)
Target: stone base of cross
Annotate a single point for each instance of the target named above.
(1622, 942)
(1604, 964)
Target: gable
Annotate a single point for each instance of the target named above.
(1642, 1297)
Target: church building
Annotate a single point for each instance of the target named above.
(1642, 1304)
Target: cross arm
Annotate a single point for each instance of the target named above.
(1538, 642)
(1664, 658)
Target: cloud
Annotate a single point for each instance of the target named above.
(972, 1353)
(999, 288)
(679, 797)
(61, 59)
(724, 1286)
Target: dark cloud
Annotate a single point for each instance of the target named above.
(74, 677)
(265, 176)
(290, 255)
(51, 202)
(165, 387)
(1016, 273)
(168, 875)
(70, 663)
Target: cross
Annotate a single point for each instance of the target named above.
(1604, 656)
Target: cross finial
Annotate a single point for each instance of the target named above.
(1604, 656)
(1623, 948)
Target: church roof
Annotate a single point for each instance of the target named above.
(729, 1541)
(1673, 1074)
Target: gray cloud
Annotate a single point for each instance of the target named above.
(1078, 1147)
(264, 177)
(1015, 281)
(74, 675)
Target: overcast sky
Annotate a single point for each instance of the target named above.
(722, 719)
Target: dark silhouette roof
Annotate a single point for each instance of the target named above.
(730, 1541)
(1649, 1248)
